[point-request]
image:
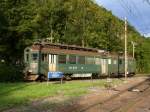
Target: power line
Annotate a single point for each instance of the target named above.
(147, 1)
(139, 13)
(137, 10)
(130, 12)
(127, 9)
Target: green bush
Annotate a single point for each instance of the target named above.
(10, 73)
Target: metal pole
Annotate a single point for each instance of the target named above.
(126, 57)
(51, 34)
(133, 47)
(83, 41)
(133, 50)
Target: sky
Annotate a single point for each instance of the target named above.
(137, 12)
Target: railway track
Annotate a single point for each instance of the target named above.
(125, 101)
(133, 98)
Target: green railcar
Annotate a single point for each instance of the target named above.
(73, 61)
(116, 66)
(131, 66)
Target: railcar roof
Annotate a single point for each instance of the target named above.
(68, 47)
(72, 49)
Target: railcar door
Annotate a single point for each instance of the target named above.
(52, 62)
(104, 66)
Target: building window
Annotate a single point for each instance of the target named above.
(72, 59)
(90, 60)
(34, 56)
(81, 59)
(62, 59)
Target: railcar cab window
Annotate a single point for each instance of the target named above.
(130, 62)
(27, 58)
(62, 59)
(45, 57)
(72, 59)
(81, 59)
(34, 56)
(27, 55)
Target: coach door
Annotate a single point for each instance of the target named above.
(104, 66)
(52, 62)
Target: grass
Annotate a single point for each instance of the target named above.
(15, 94)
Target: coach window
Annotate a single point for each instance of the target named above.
(109, 61)
(81, 59)
(72, 59)
(97, 61)
(34, 56)
(62, 59)
(90, 60)
(120, 61)
(115, 62)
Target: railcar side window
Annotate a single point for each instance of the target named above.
(34, 56)
(130, 62)
(81, 59)
(97, 61)
(62, 59)
(72, 59)
(90, 60)
(115, 62)
(120, 61)
(109, 61)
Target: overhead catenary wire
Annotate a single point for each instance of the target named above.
(136, 13)
(148, 1)
(140, 15)
(127, 9)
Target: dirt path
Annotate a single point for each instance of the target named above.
(86, 103)
(92, 102)
(128, 101)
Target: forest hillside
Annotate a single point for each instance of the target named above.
(75, 22)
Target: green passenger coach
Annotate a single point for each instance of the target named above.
(73, 61)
